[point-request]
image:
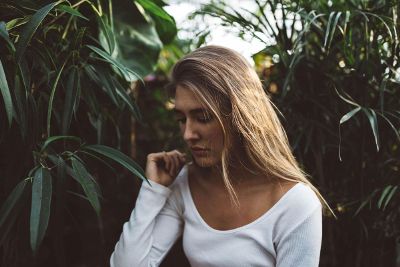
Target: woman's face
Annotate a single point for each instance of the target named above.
(200, 129)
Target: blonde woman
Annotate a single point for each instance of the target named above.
(242, 200)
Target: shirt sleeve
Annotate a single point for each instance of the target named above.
(154, 226)
(301, 246)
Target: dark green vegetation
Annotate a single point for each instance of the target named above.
(332, 73)
(67, 73)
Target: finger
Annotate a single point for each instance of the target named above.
(176, 164)
(182, 157)
(167, 161)
(172, 157)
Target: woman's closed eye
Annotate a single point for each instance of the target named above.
(201, 119)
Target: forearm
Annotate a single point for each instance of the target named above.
(137, 239)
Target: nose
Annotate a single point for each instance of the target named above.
(189, 132)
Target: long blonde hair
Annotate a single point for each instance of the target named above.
(228, 85)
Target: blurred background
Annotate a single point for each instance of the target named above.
(83, 101)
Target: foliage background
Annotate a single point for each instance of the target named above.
(332, 71)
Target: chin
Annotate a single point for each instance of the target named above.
(206, 162)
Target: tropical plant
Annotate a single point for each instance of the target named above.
(332, 68)
(67, 72)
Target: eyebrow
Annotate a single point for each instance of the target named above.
(192, 111)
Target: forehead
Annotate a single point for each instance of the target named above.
(186, 100)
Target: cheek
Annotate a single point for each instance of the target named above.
(216, 137)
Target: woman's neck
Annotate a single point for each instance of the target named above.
(239, 175)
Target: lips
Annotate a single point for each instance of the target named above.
(197, 148)
(199, 151)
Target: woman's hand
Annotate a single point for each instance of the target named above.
(163, 167)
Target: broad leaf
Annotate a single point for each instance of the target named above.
(138, 47)
(165, 24)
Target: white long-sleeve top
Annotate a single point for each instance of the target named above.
(287, 235)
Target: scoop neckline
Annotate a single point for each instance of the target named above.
(262, 217)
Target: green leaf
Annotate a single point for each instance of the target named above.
(5, 36)
(138, 47)
(374, 124)
(30, 28)
(133, 108)
(389, 196)
(25, 74)
(5, 91)
(70, 10)
(164, 23)
(71, 94)
(349, 114)
(40, 209)
(334, 28)
(119, 157)
(83, 177)
(20, 107)
(154, 10)
(385, 192)
(365, 202)
(396, 132)
(52, 94)
(107, 33)
(345, 118)
(11, 200)
(328, 27)
(126, 72)
(59, 137)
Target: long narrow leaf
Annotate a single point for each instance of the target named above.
(72, 11)
(5, 91)
(52, 94)
(389, 196)
(385, 192)
(126, 72)
(328, 28)
(59, 137)
(82, 176)
(349, 114)
(345, 118)
(5, 36)
(374, 124)
(119, 157)
(31, 27)
(334, 28)
(11, 200)
(70, 101)
(106, 32)
(40, 208)
(133, 108)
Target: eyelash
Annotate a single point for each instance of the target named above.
(201, 120)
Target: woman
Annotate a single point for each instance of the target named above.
(243, 200)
